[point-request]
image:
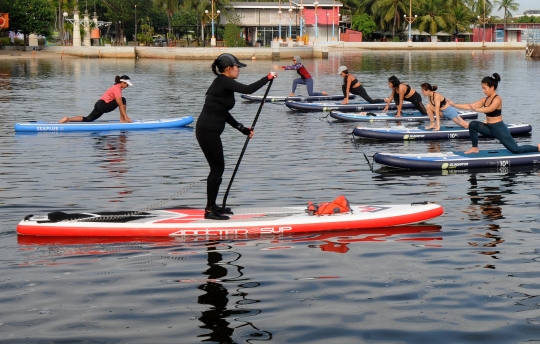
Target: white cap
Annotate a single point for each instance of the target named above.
(126, 79)
(341, 69)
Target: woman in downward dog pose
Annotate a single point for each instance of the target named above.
(439, 106)
(211, 123)
(494, 126)
(304, 79)
(403, 92)
(352, 85)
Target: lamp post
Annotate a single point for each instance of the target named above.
(316, 4)
(410, 19)
(483, 20)
(65, 14)
(213, 16)
(135, 24)
(301, 18)
(290, 21)
(280, 16)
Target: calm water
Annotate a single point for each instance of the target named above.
(469, 276)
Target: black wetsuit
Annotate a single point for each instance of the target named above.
(211, 123)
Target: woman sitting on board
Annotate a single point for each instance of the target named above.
(440, 107)
(211, 123)
(494, 126)
(403, 92)
(109, 101)
(352, 85)
(304, 79)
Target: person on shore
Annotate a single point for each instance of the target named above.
(109, 101)
(304, 79)
(439, 107)
(403, 92)
(494, 126)
(211, 123)
(352, 85)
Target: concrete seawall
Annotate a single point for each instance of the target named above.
(275, 52)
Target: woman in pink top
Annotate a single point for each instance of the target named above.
(109, 101)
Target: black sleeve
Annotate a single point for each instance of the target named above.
(232, 121)
(235, 86)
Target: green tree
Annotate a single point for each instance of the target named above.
(232, 32)
(459, 19)
(507, 5)
(363, 23)
(434, 16)
(170, 7)
(390, 13)
(30, 16)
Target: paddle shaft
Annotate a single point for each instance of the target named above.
(246, 143)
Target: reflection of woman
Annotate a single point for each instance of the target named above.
(403, 92)
(211, 123)
(494, 126)
(109, 101)
(304, 79)
(352, 85)
(439, 107)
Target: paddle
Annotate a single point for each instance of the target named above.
(246, 143)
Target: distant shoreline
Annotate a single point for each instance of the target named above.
(274, 52)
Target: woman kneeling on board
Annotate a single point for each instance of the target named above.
(304, 79)
(352, 85)
(494, 126)
(440, 107)
(402, 92)
(109, 101)
(211, 123)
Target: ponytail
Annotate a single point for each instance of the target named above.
(116, 80)
(427, 86)
(214, 67)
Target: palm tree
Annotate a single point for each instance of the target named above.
(390, 13)
(460, 19)
(170, 7)
(436, 15)
(507, 5)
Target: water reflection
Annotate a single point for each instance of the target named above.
(216, 318)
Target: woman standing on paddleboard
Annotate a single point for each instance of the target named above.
(352, 85)
(211, 123)
(494, 126)
(439, 106)
(403, 92)
(109, 101)
(304, 79)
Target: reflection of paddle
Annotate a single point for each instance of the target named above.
(246, 143)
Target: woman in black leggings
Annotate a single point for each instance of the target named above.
(211, 123)
(403, 92)
(352, 85)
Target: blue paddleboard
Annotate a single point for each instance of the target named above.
(352, 106)
(407, 116)
(494, 158)
(295, 98)
(137, 124)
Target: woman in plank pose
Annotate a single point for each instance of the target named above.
(494, 126)
(352, 85)
(211, 123)
(304, 79)
(439, 106)
(403, 92)
(109, 101)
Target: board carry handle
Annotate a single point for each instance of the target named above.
(246, 143)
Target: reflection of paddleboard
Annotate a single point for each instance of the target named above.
(449, 132)
(137, 124)
(244, 222)
(295, 98)
(416, 233)
(352, 106)
(496, 158)
(406, 116)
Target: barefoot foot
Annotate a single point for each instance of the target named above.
(291, 95)
(63, 120)
(324, 93)
(472, 150)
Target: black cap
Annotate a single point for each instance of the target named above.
(226, 60)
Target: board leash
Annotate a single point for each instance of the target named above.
(246, 143)
(99, 218)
